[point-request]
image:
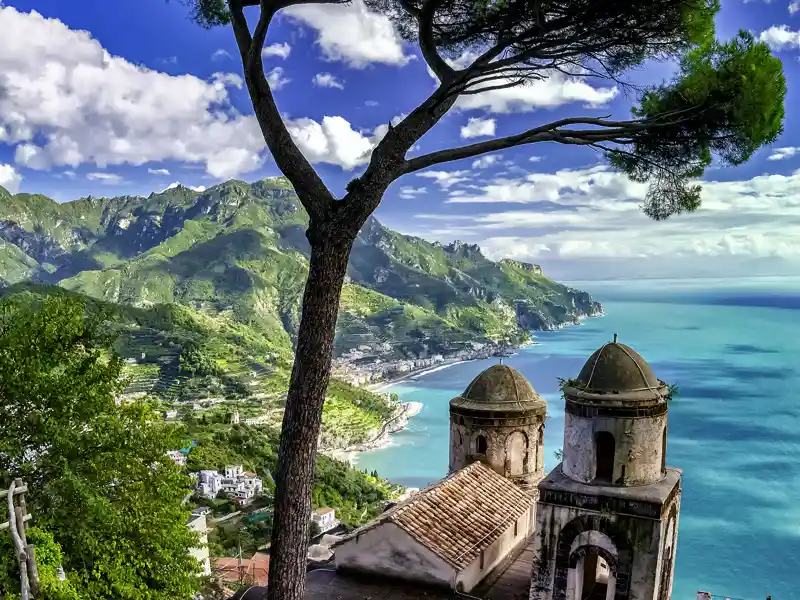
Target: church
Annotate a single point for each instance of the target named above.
(602, 525)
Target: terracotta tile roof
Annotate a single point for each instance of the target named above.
(253, 570)
(459, 516)
(323, 511)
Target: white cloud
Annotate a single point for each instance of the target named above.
(220, 54)
(477, 127)
(546, 93)
(794, 7)
(276, 79)
(228, 79)
(334, 141)
(158, 171)
(781, 153)
(587, 216)
(535, 158)
(370, 103)
(352, 34)
(281, 50)
(109, 178)
(9, 178)
(780, 37)
(445, 179)
(66, 101)
(486, 161)
(563, 185)
(409, 192)
(553, 91)
(327, 80)
(196, 188)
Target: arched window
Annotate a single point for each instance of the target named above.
(664, 451)
(460, 420)
(604, 454)
(460, 441)
(481, 445)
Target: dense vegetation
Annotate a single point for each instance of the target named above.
(102, 491)
(114, 476)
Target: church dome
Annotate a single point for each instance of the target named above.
(499, 388)
(617, 368)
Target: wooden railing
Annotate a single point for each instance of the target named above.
(18, 516)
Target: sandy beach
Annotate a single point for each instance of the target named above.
(381, 385)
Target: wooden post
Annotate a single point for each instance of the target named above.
(21, 513)
(33, 570)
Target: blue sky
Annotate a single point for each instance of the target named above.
(111, 98)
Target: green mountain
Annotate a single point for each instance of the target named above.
(228, 266)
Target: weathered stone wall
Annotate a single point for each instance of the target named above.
(630, 546)
(637, 453)
(515, 446)
(669, 543)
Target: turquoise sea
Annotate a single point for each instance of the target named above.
(733, 349)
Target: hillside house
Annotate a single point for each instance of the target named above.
(178, 457)
(241, 485)
(325, 518)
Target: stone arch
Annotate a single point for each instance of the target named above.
(607, 556)
(605, 526)
(668, 553)
(605, 456)
(516, 462)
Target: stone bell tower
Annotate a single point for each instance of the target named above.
(607, 517)
(499, 420)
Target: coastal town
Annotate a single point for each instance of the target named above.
(368, 364)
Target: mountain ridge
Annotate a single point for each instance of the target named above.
(242, 248)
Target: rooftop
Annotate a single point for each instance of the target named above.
(499, 388)
(509, 581)
(460, 515)
(618, 369)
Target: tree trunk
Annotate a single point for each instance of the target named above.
(294, 480)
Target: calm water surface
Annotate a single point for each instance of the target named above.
(733, 349)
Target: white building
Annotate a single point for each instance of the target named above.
(325, 518)
(198, 523)
(480, 518)
(234, 471)
(235, 482)
(171, 414)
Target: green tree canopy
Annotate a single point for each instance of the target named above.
(725, 101)
(103, 493)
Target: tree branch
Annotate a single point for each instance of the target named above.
(615, 132)
(427, 43)
(311, 190)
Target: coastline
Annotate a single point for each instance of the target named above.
(383, 438)
(379, 386)
(411, 409)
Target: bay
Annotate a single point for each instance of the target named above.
(733, 349)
